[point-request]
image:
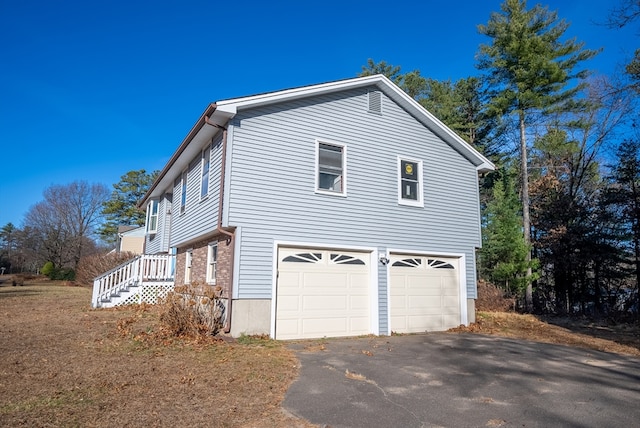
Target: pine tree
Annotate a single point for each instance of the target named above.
(503, 257)
(122, 208)
(625, 193)
(529, 69)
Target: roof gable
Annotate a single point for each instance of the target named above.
(216, 116)
(226, 109)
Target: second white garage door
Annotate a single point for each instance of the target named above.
(424, 293)
(322, 293)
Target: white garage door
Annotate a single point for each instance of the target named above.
(425, 293)
(322, 293)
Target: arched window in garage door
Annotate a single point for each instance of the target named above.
(304, 258)
(344, 259)
(336, 258)
(431, 263)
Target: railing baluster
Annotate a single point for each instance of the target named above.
(146, 268)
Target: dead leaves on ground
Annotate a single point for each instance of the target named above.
(571, 332)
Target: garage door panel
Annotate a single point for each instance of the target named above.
(451, 301)
(399, 324)
(452, 312)
(359, 303)
(288, 327)
(359, 326)
(418, 303)
(359, 280)
(334, 327)
(424, 323)
(430, 310)
(326, 303)
(332, 292)
(425, 294)
(289, 303)
(323, 325)
(320, 291)
(290, 279)
(324, 280)
(398, 301)
(450, 292)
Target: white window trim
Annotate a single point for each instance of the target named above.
(183, 191)
(188, 262)
(212, 271)
(420, 201)
(206, 153)
(344, 168)
(150, 215)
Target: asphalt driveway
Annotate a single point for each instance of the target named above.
(462, 380)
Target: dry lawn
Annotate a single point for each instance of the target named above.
(65, 365)
(620, 339)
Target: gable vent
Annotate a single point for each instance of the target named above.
(375, 102)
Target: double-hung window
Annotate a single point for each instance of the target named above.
(410, 189)
(212, 263)
(152, 216)
(204, 179)
(331, 168)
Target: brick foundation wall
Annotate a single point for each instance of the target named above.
(199, 263)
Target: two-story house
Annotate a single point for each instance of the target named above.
(337, 209)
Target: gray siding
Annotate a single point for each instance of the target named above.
(164, 221)
(201, 214)
(272, 187)
(159, 242)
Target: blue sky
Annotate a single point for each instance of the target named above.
(92, 90)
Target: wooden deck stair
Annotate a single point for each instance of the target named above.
(143, 279)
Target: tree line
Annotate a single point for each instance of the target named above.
(560, 215)
(71, 222)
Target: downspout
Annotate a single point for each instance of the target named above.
(230, 235)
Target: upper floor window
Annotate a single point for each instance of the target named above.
(183, 192)
(331, 168)
(212, 263)
(410, 182)
(152, 216)
(204, 179)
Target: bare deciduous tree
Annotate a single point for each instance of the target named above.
(66, 220)
(626, 12)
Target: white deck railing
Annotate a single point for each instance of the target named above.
(147, 268)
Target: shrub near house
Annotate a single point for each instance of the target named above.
(58, 273)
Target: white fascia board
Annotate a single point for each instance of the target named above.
(232, 106)
(229, 108)
(443, 131)
(222, 115)
(225, 110)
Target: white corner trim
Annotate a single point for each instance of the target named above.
(236, 262)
